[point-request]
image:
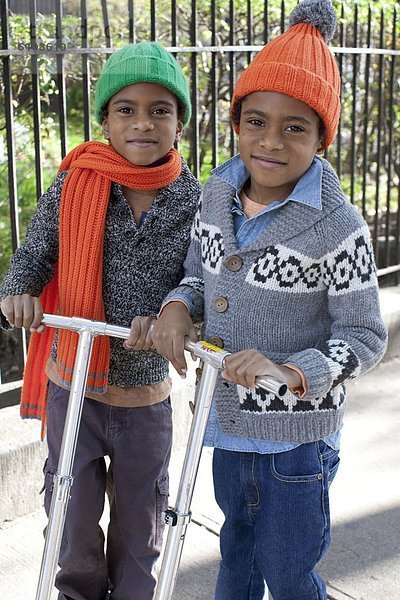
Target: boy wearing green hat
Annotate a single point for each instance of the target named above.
(116, 222)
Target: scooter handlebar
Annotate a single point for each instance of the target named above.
(202, 349)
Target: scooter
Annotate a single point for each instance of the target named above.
(177, 518)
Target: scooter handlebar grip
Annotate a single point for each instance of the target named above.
(270, 384)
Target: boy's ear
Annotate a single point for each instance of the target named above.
(179, 131)
(322, 137)
(321, 145)
(104, 126)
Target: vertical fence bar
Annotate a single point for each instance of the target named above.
(131, 17)
(232, 67)
(340, 65)
(194, 87)
(174, 24)
(249, 22)
(397, 227)
(366, 119)
(106, 21)
(354, 106)
(214, 88)
(174, 36)
(36, 99)
(283, 14)
(266, 22)
(11, 166)
(390, 121)
(152, 20)
(9, 122)
(379, 144)
(85, 72)
(62, 110)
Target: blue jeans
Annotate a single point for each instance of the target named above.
(277, 524)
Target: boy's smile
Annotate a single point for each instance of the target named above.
(278, 139)
(142, 123)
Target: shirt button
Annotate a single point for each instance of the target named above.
(129, 233)
(234, 263)
(216, 341)
(220, 304)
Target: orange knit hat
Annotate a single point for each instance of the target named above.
(300, 64)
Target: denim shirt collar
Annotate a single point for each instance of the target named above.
(306, 191)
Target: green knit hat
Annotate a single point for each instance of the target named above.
(143, 62)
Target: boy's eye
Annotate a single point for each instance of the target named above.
(294, 128)
(256, 122)
(160, 111)
(125, 110)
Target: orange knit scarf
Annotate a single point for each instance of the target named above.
(76, 288)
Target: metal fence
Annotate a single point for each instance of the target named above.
(52, 52)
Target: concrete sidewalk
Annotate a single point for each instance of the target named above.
(364, 560)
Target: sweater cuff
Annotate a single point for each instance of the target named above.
(300, 390)
(173, 300)
(315, 367)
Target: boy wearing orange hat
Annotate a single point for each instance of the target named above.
(117, 220)
(281, 269)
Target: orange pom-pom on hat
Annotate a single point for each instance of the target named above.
(300, 64)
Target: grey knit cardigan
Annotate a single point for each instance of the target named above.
(141, 264)
(304, 292)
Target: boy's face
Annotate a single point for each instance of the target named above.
(142, 122)
(278, 139)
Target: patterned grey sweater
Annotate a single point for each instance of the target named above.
(304, 292)
(141, 264)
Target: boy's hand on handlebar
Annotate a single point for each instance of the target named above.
(243, 367)
(169, 332)
(139, 337)
(23, 311)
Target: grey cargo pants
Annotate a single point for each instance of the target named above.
(138, 442)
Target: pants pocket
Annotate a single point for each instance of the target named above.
(330, 461)
(48, 478)
(48, 484)
(162, 491)
(303, 464)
